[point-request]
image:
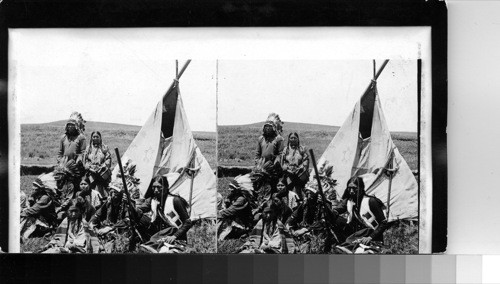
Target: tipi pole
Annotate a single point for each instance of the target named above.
(176, 68)
(376, 75)
(191, 194)
(381, 68)
(192, 165)
(374, 68)
(389, 196)
(391, 174)
(184, 69)
(178, 76)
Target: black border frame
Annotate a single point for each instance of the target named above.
(238, 13)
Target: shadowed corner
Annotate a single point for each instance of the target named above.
(4, 168)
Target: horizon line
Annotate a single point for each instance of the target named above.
(327, 125)
(245, 124)
(134, 125)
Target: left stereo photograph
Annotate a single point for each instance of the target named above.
(113, 142)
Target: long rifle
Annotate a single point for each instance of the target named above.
(327, 210)
(134, 218)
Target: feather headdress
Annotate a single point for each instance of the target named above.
(242, 182)
(275, 120)
(69, 170)
(78, 120)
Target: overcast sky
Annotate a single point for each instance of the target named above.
(118, 75)
(106, 79)
(314, 91)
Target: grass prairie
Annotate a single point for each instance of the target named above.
(237, 145)
(40, 144)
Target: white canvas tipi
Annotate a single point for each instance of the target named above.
(165, 146)
(363, 147)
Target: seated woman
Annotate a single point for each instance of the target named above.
(268, 235)
(88, 196)
(73, 234)
(40, 215)
(295, 163)
(285, 199)
(97, 163)
(87, 209)
(169, 217)
(289, 197)
(236, 218)
(93, 196)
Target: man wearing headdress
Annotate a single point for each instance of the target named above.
(236, 218)
(328, 184)
(366, 214)
(270, 144)
(40, 216)
(73, 143)
(129, 169)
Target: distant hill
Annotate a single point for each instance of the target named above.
(102, 126)
(91, 125)
(293, 126)
(299, 126)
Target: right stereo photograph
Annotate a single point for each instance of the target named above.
(320, 157)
